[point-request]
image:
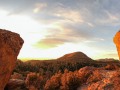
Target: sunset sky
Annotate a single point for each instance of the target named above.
(52, 28)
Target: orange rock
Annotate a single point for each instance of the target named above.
(10, 45)
(99, 79)
(116, 40)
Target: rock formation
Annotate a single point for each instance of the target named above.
(15, 84)
(116, 40)
(100, 79)
(78, 56)
(10, 45)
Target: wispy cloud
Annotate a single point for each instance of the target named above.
(62, 35)
(109, 19)
(39, 7)
(93, 22)
(70, 15)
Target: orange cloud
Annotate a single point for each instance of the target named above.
(62, 35)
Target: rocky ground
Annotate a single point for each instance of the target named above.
(91, 78)
(107, 78)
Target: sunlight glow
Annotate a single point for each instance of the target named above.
(30, 30)
(33, 31)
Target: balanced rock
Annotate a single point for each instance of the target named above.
(10, 45)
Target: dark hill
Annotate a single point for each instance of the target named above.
(77, 56)
(107, 60)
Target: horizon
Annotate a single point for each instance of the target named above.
(53, 28)
(42, 59)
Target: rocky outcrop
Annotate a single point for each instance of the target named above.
(15, 84)
(100, 78)
(10, 45)
(78, 56)
(116, 40)
(17, 76)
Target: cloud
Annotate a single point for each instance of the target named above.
(109, 19)
(16, 7)
(70, 15)
(63, 34)
(78, 15)
(50, 42)
(90, 24)
(39, 7)
(27, 7)
(92, 13)
(59, 14)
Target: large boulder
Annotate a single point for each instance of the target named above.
(116, 40)
(10, 45)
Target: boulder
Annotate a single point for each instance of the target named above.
(17, 76)
(116, 40)
(99, 79)
(10, 45)
(15, 84)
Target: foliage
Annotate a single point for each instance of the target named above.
(34, 80)
(54, 82)
(61, 75)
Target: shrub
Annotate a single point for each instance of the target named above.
(70, 81)
(34, 80)
(95, 76)
(54, 82)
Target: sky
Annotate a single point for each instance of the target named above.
(52, 28)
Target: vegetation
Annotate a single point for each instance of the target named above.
(61, 74)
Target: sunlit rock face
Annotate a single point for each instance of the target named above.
(116, 40)
(105, 78)
(10, 45)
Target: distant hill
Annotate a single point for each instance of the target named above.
(108, 60)
(34, 62)
(77, 56)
